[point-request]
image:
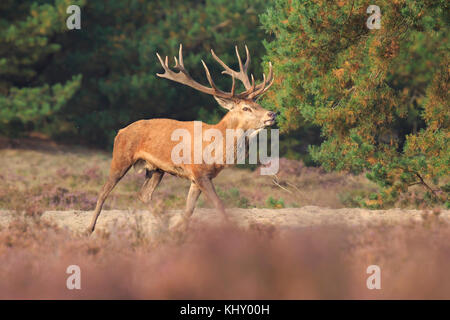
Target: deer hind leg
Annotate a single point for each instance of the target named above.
(113, 179)
(152, 180)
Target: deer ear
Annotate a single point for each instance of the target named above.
(225, 103)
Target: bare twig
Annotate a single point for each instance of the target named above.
(293, 185)
(422, 181)
(275, 181)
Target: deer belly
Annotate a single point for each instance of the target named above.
(151, 163)
(142, 165)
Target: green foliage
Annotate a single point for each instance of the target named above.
(29, 105)
(380, 97)
(275, 203)
(234, 198)
(26, 44)
(353, 198)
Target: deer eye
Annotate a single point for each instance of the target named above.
(246, 109)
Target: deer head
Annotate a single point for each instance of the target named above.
(244, 112)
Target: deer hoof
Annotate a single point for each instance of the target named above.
(87, 232)
(181, 224)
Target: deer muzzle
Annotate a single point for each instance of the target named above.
(270, 118)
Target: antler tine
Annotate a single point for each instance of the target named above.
(259, 89)
(251, 89)
(270, 80)
(162, 64)
(265, 85)
(241, 68)
(233, 85)
(180, 55)
(241, 75)
(227, 70)
(179, 64)
(247, 61)
(268, 86)
(208, 76)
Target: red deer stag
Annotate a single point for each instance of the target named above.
(148, 143)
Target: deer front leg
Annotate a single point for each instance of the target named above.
(207, 187)
(152, 180)
(194, 193)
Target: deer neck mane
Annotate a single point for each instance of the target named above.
(229, 121)
(232, 122)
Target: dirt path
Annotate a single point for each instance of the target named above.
(282, 218)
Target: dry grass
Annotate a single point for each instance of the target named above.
(61, 179)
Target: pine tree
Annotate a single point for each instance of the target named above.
(26, 48)
(380, 96)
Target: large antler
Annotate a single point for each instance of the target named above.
(182, 76)
(252, 91)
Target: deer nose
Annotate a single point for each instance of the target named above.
(272, 114)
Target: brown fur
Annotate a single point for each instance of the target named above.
(148, 145)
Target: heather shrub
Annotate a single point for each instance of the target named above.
(261, 262)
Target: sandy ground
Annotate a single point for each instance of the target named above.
(307, 216)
